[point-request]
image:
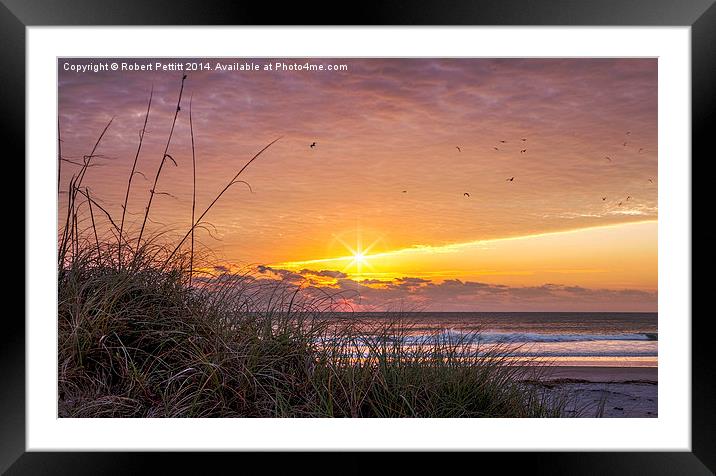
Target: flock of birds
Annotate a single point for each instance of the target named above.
(511, 179)
(609, 159)
(524, 151)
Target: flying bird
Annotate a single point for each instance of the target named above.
(523, 140)
(466, 194)
(625, 143)
(504, 141)
(313, 145)
(628, 197)
(458, 149)
(604, 198)
(651, 181)
(405, 191)
(640, 149)
(496, 148)
(510, 179)
(620, 204)
(608, 158)
(523, 151)
(628, 132)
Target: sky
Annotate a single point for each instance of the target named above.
(434, 184)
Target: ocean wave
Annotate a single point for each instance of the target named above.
(582, 353)
(564, 353)
(461, 337)
(522, 337)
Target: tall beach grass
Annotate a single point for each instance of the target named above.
(142, 333)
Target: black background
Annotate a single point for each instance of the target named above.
(15, 15)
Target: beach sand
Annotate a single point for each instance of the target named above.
(609, 392)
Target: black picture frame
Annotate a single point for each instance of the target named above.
(700, 15)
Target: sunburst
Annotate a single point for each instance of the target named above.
(360, 255)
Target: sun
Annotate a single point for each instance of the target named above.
(359, 258)
(359, 261)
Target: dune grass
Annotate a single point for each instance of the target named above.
(142, 343)
(142, 334)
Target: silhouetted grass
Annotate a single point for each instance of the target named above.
(140, 343)
(142, 334)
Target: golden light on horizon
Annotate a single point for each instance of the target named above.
(522, 261)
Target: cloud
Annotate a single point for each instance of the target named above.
(283, 274)
(460, 295)
(326, 273)
(406, 281)
(449, 295)
(383, 126)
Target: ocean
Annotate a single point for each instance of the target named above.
(602, 339)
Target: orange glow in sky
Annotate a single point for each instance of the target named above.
(456, 184)
(618, 256)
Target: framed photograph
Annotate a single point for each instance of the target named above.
(426, 229)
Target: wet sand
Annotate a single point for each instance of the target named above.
(608, 392)
(605, 374)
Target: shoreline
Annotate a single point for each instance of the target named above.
(607, 392)
(601, 374)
